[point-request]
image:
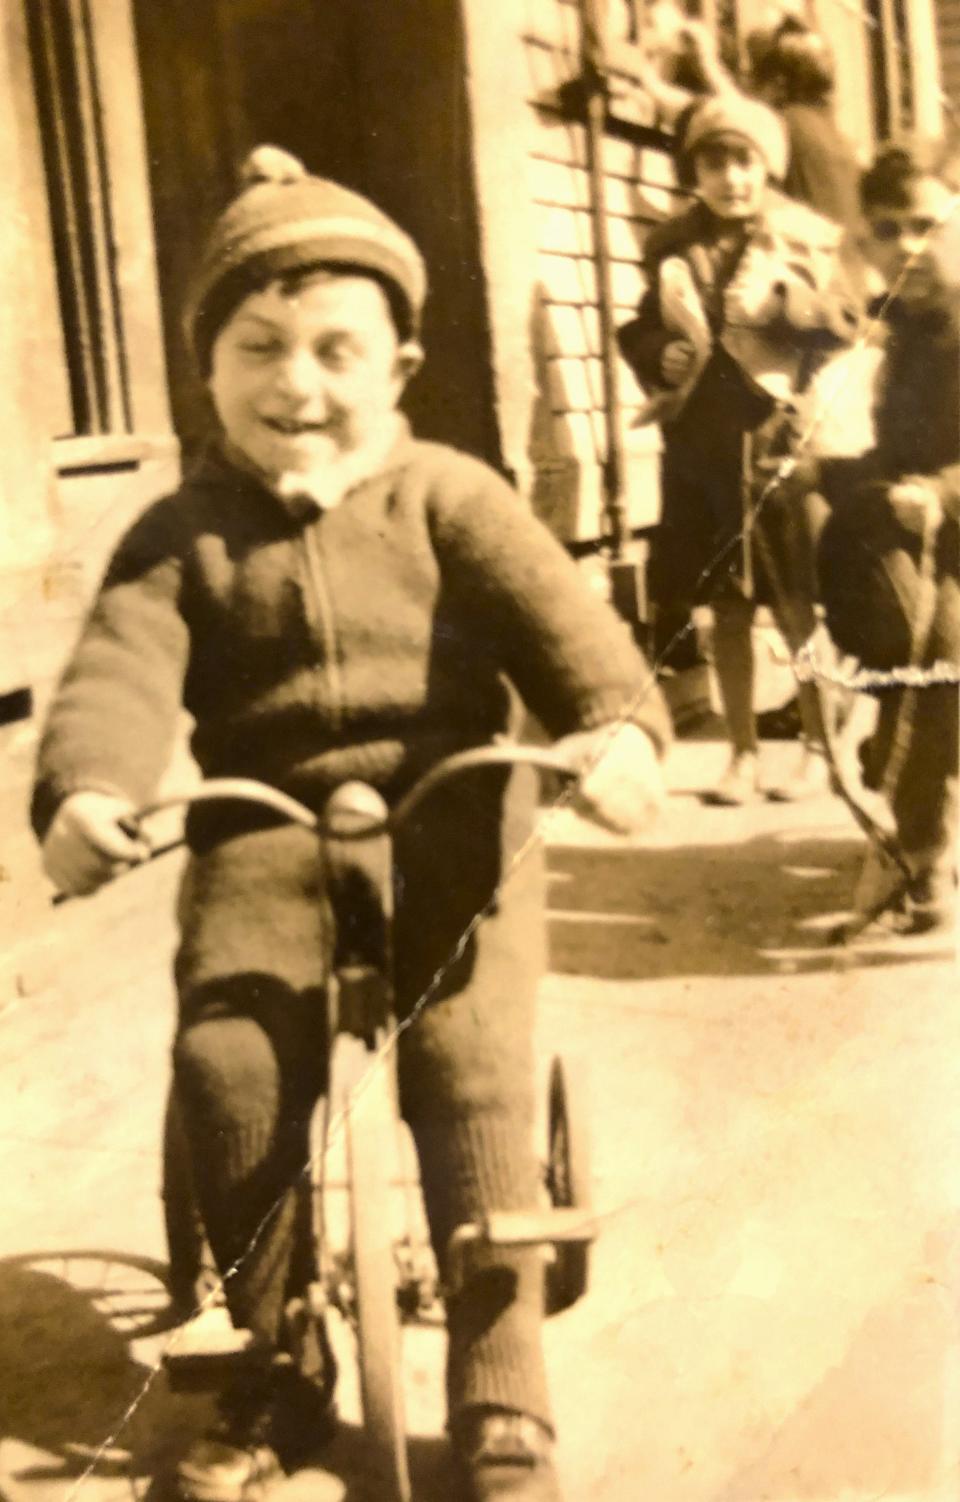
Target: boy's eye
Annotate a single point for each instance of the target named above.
(259, 347)
(338, 354)
(892, 229)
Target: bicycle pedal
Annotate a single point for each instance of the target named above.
(520, 1228)
(208, 1350)
(310, 1350)
(516, 1230)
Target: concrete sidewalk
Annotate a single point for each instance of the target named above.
(776, 1128)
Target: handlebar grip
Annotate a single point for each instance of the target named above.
(352, 807)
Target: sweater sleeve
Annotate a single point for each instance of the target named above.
(112, 721)
(851, 486)
(568, 653)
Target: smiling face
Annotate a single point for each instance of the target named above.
(731, 177)
(308, 372)
(912, 240)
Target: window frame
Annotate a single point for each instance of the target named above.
(92, 169)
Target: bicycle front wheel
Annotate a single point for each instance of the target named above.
(371, 1126)
(193, 1274)
(568, 1182)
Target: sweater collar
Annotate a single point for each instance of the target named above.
(937, 315)
(220, 464)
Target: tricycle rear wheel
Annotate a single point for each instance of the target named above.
(568, 1182)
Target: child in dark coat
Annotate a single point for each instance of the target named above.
(890, 553)
(744, 295)
(332, 599)
(792, 70)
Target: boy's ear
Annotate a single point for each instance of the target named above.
(409, 358)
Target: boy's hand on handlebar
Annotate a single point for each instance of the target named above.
(916, 504)
(621, 782)
(87, 842)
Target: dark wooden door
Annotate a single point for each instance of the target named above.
(371, 94)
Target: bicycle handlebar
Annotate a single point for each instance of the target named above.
(248, 790)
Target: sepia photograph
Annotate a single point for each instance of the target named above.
(479, 705)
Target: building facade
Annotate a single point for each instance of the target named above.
(474, 122)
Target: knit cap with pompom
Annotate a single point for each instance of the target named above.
(284, 220)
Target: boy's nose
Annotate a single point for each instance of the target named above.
(299, 377)
(913, 244)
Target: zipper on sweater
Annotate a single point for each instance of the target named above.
(320, 611)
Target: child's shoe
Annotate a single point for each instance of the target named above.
(810, 780)
(740, 783)
(932, 902)
(262, 1429)
(234, 1460)
(505, 1457)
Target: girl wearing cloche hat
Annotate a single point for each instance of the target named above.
(746, 295)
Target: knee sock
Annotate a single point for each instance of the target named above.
(245, 1163)
(733, 661)
(495, 1352)
(467, 1078)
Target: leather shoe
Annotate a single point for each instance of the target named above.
(932, 902)
(739, 784)
(505, 1457)
(810, 780)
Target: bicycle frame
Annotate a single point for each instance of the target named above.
(354, 832)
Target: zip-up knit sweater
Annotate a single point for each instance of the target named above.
(367, 641)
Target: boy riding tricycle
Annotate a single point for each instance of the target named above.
(332, 599)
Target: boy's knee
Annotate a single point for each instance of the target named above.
(218, 1061)
(454, 1072)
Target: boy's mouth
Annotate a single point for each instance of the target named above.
(292, 427)
(730, 203)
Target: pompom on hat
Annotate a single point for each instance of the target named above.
(734, 115)
(284, 220)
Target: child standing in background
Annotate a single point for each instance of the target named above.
(792, 70)
(890, 552)
(745, 296)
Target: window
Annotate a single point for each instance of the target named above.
(892, 73)
(70, 114)
(881, 90)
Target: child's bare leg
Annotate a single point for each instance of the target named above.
(811, 776)
(790, 534)
(925, 803)
(733, 662)
(733, 659)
